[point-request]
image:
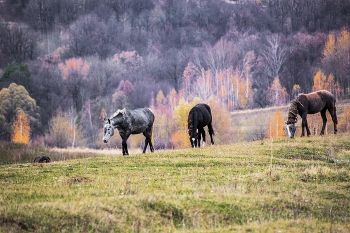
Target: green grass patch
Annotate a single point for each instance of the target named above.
(284, 185)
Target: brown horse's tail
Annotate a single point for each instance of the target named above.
(335, 115)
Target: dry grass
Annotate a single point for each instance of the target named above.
(283, 185)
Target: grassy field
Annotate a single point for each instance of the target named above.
(300, 185)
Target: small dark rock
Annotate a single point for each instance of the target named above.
(42, 159)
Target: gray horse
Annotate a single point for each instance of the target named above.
(319, 101)
(130, 122)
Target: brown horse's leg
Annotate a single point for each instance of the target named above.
(304, 125)
(324, 120)
(333, 112)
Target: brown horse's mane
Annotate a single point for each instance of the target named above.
(293, 112)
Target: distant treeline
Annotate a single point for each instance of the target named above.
(82, 60)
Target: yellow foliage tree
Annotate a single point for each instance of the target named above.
(276, 126)
(180, 138)
(21, 129)
(320, 81)
(222, 125)
(277, 93)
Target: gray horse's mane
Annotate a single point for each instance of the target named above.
(119, 111)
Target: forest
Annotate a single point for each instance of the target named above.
(66, 65)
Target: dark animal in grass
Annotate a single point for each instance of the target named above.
(319, 101)
(199, 117)
(42, 159)
(130, 122)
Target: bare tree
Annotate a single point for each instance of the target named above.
(17, 42)
(274, 54)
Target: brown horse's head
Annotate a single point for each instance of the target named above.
(290, 129)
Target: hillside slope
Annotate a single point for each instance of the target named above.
(299, 185)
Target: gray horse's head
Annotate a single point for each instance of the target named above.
(290, 126)
(108, 130)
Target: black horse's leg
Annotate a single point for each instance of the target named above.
(211, 132)
(324, 120)
(202, 131)
(199, 137)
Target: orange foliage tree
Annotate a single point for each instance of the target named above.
(74, 71)
(336, 60)
(321, 82)
(21, 129)
(276, 125)
(344, 121)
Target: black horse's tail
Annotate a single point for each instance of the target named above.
(210, 126)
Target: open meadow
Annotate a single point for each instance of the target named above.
(280, 185)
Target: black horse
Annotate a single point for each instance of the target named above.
(319, 101)
(130, 122)
(199, 117)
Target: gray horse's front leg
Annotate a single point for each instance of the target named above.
(124, 144)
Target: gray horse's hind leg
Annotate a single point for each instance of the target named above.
(148, 141)
(324, 120)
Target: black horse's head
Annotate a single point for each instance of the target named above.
(108, 131)
(193, 138)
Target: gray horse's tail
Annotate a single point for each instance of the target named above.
(151, 135)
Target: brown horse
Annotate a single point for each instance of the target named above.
(319, 101)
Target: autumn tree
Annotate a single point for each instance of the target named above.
(180, 137)
(21, 129)
(344, 121)
(276, 126)
(277, 94)
(336, 59)
(13, 99)
(63, 131)
(321, 82)
(74, 72)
